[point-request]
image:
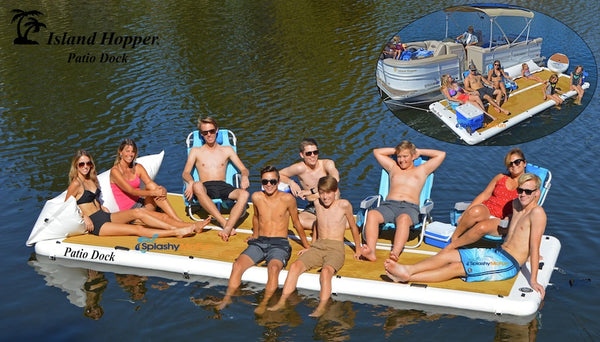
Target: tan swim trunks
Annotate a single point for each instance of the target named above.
(324, 252)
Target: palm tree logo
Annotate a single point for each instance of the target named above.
(31, 24)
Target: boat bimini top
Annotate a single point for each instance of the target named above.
(493, 11)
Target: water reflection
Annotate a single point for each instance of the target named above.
(399, 319)
(134, 285)
(337, 321)
(94, 287)
(511, 332)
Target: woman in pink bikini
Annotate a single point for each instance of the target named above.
(125, 179)
(484, 214)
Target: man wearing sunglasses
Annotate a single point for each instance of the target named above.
(211, 161)
(273, 210)
(527, 225)
(476, 83)
(401, 206)
(309, 171)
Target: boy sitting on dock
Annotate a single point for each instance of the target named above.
(328, 251)
(522, 242)
(269, 241)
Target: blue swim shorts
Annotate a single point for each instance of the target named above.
(390, 210)
(269, 248)
(488, 264)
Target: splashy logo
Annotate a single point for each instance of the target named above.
(147, 244)
(31, 25)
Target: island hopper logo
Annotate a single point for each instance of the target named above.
(26, 24)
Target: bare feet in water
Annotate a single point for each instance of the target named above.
(277, 306)
(395, 271)
(319, 311)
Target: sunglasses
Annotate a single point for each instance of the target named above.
(310, 153)
(515, 162)
(210, 131)
(526, 191)
(496, 64)
(267, 181)
(88, 163)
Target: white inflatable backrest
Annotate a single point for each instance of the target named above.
(150, 162)
(60, 218)
(515, 70)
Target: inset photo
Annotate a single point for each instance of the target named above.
(486, 74)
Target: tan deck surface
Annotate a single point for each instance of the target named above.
(521, 100)
(209, 246)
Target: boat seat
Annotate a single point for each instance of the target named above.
(544, 174)
(373, 201)
(440, 50)
(232, 174)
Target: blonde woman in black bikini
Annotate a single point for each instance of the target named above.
(98, 221)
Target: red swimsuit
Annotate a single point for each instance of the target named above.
(500, 203)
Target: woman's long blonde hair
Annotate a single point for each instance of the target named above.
(74, 173)
(445, 81)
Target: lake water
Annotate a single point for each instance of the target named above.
(274, 72)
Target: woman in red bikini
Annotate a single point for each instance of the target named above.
(484, 214)
(85, 188)
(125, 179)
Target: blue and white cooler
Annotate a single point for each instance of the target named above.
(438, 234)
(469, 117)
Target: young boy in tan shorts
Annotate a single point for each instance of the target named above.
(328, 251)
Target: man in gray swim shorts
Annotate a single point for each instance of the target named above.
(391, 209)
(401, 205)
(269, 248)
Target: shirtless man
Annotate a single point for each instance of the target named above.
(523, 241)
(402, 203)
(309, 171)
(211, 161)
(475, 83)
(328, 251)
(269, 241)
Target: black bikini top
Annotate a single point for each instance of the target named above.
(88, 196)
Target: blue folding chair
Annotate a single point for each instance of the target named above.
(544, 174)
(232, 174)
(373, 201)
